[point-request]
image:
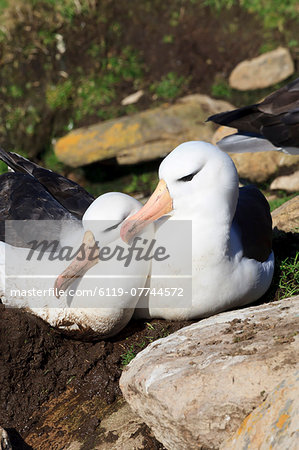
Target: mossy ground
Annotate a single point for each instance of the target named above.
(70, 63)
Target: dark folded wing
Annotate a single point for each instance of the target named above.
(282, 100)
(22, 197)
(276, 118)
(68, 193)
(254, 221)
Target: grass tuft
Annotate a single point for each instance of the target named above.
(289, 278)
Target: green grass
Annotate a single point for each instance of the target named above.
(127, 357)
(273, 13)
(135, 348)
(169, 87)
(283, 197)
(59, 96)
(289, 279)
(98, 90)
(221, 89)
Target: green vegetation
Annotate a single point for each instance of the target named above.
(142, 183)
(128, 355)
(59, 96)
(153, 333)
(221, 89)
(169, 87)
(67, 63)
(289, 277)
(283, 197)
(274, 13)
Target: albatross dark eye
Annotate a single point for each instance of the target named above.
(188, 177)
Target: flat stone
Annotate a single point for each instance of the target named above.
(132, 98)
(286, 217)
(274, 423)
(195, 387)
(144, 136)
(289, 183)
(263, 71)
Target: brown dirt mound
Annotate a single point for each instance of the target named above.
(38, 364)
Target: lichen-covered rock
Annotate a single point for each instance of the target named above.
(262, 71)
(195, 387)
(143, 136)
(274, 424)
(286, 217)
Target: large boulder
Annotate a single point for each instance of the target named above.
(195, 387)
(144, 136)
(263, 71)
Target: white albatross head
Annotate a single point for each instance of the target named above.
(102, 223)
(195, 178)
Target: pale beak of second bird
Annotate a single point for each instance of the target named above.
(85, 260)
(159, 204)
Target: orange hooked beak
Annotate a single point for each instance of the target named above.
(159, 204)
(85, 260)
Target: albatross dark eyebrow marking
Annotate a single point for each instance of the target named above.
(113, 227)
(189, 177)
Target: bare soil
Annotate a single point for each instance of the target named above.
(38, 364)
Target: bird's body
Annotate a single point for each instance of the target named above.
(272, 124)
(229, 268)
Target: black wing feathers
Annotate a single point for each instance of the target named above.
(68, 193)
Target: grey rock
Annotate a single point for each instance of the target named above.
(263, 71)
(289, 183)
(286, 217)
(195, 387)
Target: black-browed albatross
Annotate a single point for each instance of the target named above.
(232, 259)
(33, 193)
